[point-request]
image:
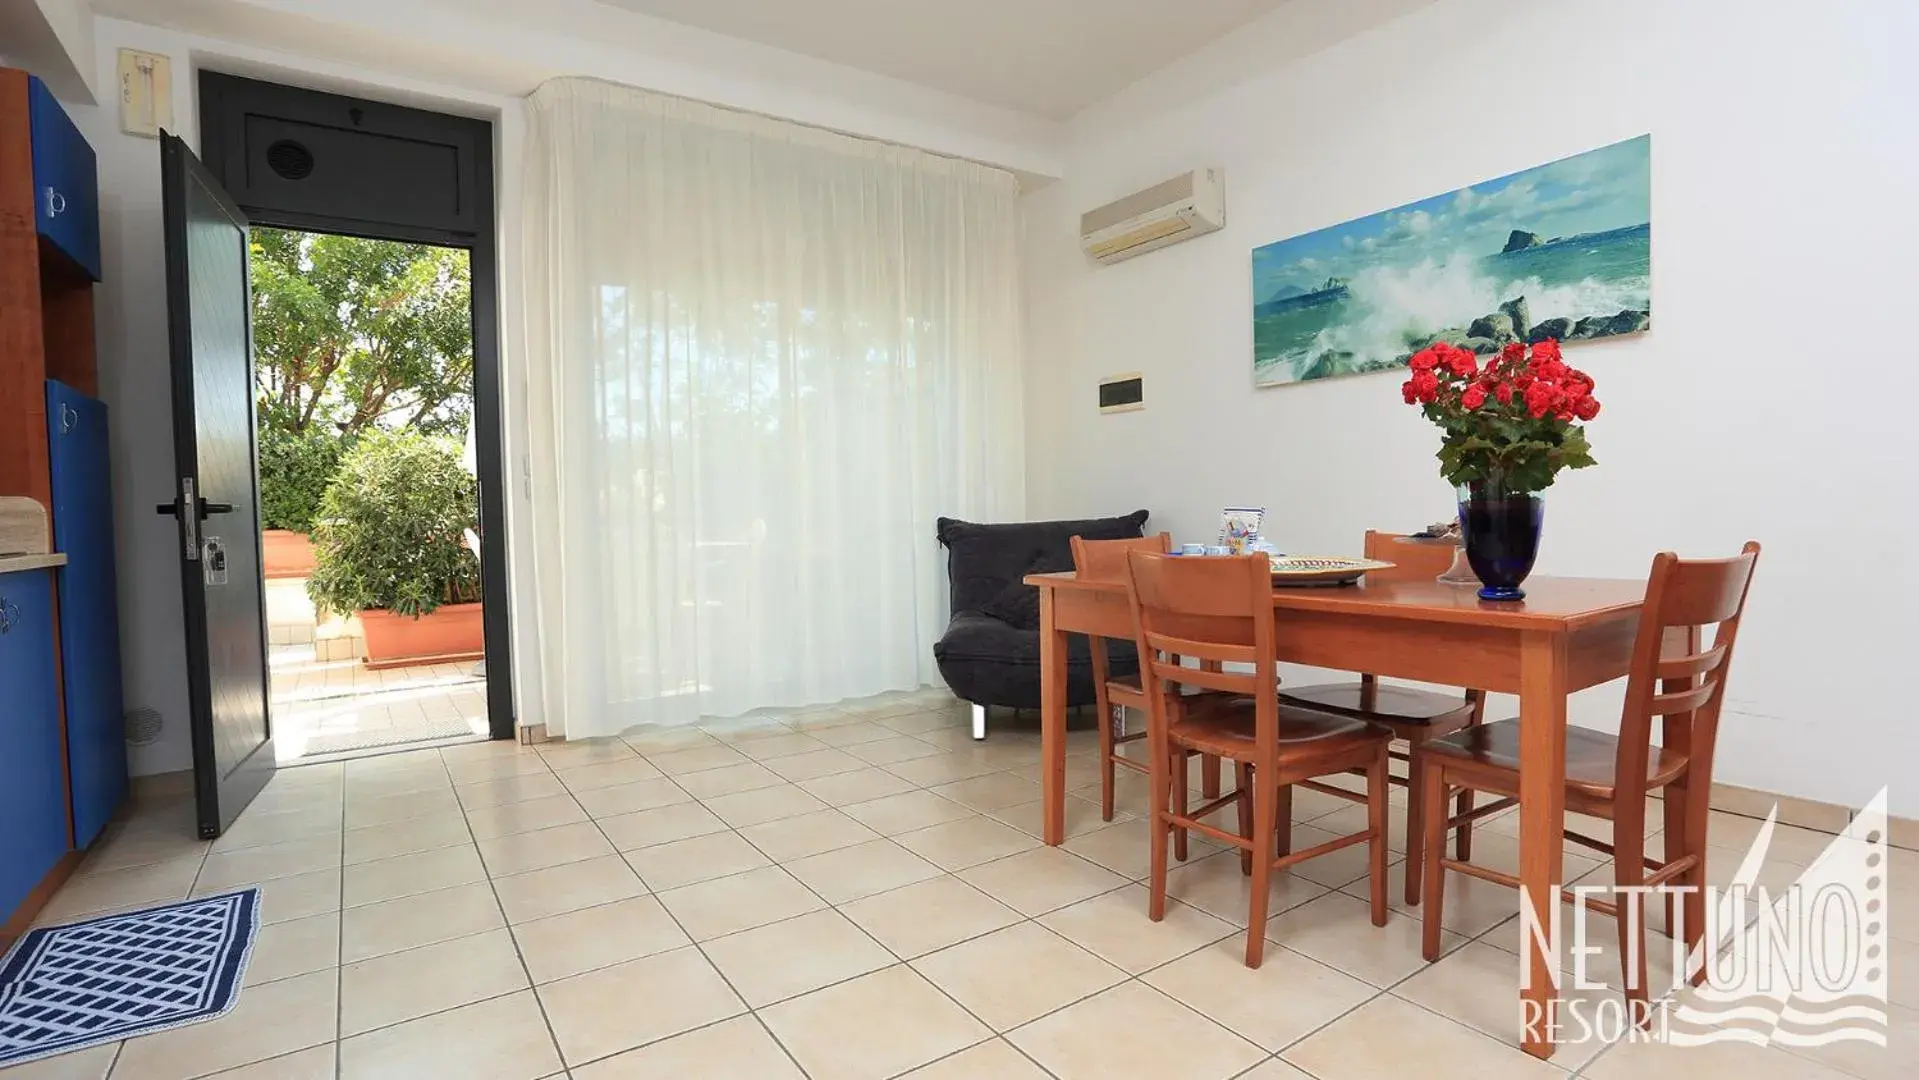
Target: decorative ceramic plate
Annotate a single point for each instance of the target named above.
(1322, 569)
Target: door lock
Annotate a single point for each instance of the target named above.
(213, 562)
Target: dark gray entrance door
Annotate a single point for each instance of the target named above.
(216, 492)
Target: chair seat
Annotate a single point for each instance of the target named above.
(1391, 704)
(1591, 756)
(1126, 690)
(1224, 726)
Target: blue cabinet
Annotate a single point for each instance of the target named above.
(89, 610)
(66, 191)
(33, 792)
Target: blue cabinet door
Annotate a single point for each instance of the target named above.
(33, 807)
(66, 191)
(89, 610)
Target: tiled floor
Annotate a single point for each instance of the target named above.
(845, 894)
(317, 702)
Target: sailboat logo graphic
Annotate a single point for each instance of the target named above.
(1808, 967)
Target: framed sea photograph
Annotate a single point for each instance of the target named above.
(1561, 250)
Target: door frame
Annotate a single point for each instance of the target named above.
(221, 95)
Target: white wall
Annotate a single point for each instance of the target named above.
(1769, 401)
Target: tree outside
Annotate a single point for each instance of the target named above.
(352, 336)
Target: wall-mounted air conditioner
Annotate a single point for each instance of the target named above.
(1186, 206)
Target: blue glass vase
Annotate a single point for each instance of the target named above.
(1500, 531)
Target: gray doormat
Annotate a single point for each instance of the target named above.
(411, 731)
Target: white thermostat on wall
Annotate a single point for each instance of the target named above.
(1122, 393)
(146, 92)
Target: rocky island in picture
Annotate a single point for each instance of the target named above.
(1562, 250)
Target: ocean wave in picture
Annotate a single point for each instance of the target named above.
(1562, 250)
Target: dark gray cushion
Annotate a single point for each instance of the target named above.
(986, 562)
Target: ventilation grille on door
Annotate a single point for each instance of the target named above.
(144, 727)
(290, 160)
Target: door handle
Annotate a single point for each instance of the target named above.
(56, 203)
(207, 509)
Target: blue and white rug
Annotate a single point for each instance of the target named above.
(69, 987)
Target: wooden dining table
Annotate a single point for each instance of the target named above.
(1566, 635)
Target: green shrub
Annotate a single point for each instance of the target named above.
(391, 528)
(295, 468)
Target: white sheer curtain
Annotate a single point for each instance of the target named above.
(763, 359)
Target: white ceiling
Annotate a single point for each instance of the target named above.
(1048, 58)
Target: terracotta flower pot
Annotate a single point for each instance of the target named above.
(286, 554)
(452, 632)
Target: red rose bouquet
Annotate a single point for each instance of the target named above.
(1509, 426)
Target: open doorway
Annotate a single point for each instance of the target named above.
(373, 270)
(369, 491)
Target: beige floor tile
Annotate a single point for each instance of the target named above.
(1478, 985)
(815, 764)
(1715, 1061)
(1471, 906)
(892, 750)
(601, 1012)
(660, 825)
(736, 1049)
(1114, 926)
(1123, 847)
(1353, 1047)
(1214, 884)
(995, 1059)
(853, 734)
(875, 1026)
(522, 852)
(406, 837)
(400, 986)
(650, 739)
(862, 870)
(709, 755)
(1345, 866)
(1134, 1030)
(568, 887)
(730, 904)
(858, 786)
(929, 915)
(992, 792)
(808, 834)
(1018, 974)
(577, 753)
(1273, 1069)
(630, 798)
(540, 785)
(1897, 1060)
(502, 1039)
(1042, 880)
(296, 897)
(270, 1020)
(966, 842)
(947, 768)
(562, 946)
(1337, 930)
(1789, 844)
(905, 812)
(317, 1063)
(1286, 998)
(123, 890)
(607, 774)
(488, 770)
(90, 1064)
(796, 956)
(367, 811)
(408, 875)
(780, 746)
(1082, 817)
(702, 858)
(232, 869)
(713, 783)
(529, 815)
(254, 828)
(296, 947)
(745, 808)
(422, 919)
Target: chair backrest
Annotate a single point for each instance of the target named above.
(1411, 562)
(1217, 610)
(1105, 560)
(1673, 675)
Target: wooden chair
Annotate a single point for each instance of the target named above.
(1413, 714)
(1220, 611)
(1609, 777)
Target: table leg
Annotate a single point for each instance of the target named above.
(1052, 721)
(1542, 824)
